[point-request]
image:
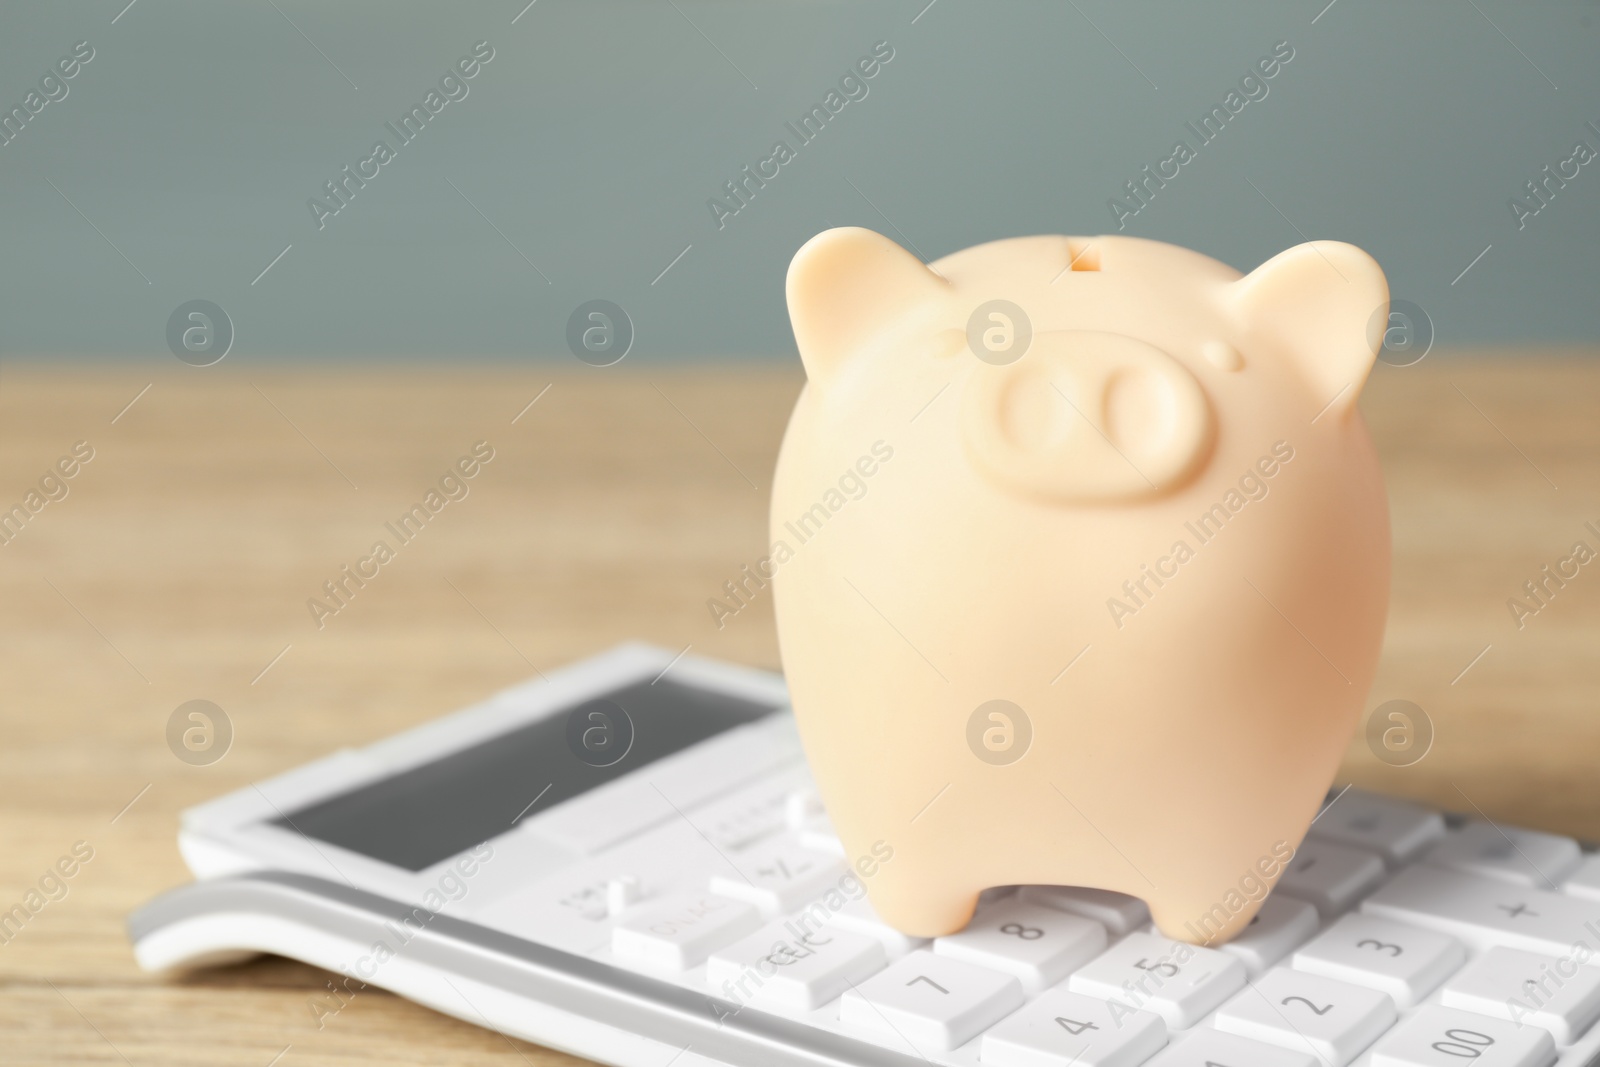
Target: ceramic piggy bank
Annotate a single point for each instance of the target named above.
(1081, 564)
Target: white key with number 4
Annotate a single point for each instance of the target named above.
(1213, 1048)
(1559, 995)
(1039, 945)
(1062, 1029)
(1437, 1036)
(1406, 962)
(932, 1002)
(1306, 1012)
(1179, 982)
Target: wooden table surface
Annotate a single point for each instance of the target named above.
(179, 563)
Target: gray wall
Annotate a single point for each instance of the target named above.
(585, 152)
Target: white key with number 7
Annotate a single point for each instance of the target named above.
(1333, 1020)
(931, 1002)
(1062, 1029)
(1437, 1036)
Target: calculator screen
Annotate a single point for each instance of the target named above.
(431, 812)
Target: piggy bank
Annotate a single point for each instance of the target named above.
(1081, 564)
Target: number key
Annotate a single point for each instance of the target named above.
(1405, 962)
(1437, 1036)
(929, 1002)
(1039, 945)
(1308, 1013)
(1062, 1029)
(1179, 982)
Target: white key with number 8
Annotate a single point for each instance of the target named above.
(1437, 1036)
(931, 1002)
(1039, 945)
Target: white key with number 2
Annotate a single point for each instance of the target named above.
(931, 1002)
(1334, 1020)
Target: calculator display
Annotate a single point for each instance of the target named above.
(433, 811)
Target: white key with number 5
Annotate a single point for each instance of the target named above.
(1308, 1013)
(1179, 982)
(1406, 962)
(1437, 1036)
(1063, 1029)
(1039, 945)
(931, 1002)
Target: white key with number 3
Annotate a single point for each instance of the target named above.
(1406, 962)
(1039, 945)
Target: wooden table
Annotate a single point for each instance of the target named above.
(179, 564)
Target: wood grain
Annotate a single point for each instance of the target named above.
(179, 564)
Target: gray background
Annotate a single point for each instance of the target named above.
(584, 155)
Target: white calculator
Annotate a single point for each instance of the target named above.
(624, 860)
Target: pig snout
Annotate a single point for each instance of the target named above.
(1086, 416)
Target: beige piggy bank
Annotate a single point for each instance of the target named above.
(1082, 563)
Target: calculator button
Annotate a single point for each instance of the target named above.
(1117, 912)
(1554, 994)
(1332, 1020)
(1179, 982)
(1406, 962)
(858, 916)
(1063, 1029)
(930, 1002)
(818, 834)
(797, 969)
(779, 876)
(1282, 924)
(1396, 830)
(1526, 857)
(1213, 1048)
(1437, 1036)
(1332, 877)
(678, 933)
(1039, 945)
(1484, 912)
(1585, 881)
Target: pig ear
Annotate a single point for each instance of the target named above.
(1322, 305)
(845, 287)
